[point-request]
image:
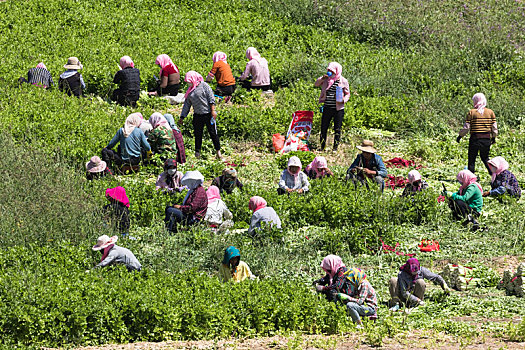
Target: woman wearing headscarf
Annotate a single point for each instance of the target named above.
(222, 73)
(228, 181)
(117, 211)
(481, 123)
(161, 137)
(112, 254)
(409, 285)
(233, 268)
(200, 96)
(133, 143)
(318, 168)
(335, 92)
(170, 179)
(128, 79)
(97, 168)
(502, 180)
(468, 201)
(218, 215)
(38, 76)
(262, 214)
(415, 184)
(71, 80)
(257, 67)
(292, 178)
(169, 82)
(194, 205)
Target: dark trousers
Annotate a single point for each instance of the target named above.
(225, 90)
(262, 88)
(460, 209)
(199, 120)
(475, 146)
(111, 157)
(360, 179)
(328, 115)
(170, 90)
(125, 98)
(174, 216)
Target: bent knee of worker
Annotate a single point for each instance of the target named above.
(393, 281)
(379, 179)
(421, 283)
(351, 305)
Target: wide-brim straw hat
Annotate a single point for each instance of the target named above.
(104, 241)
(367, 146)
(73, 63)
(95, 165)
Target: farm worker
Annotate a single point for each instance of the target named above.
(228, 181)
(194, 205)
(409, 286)
(468, 201)
(481, 122)
(169, 83)
(71, 80)
(292, 178)
(200, 96)
(222, 72)
(133, 143)
(335, 92)
(161, 137)
(262, 214)
(97, 168)
(170, 179)
(502, 181)
(318, 168)
(128, 79)
(179, 141)
(114, 254)
(218, 215)
(348, 285)
(369, 165)
(233, 268)
(257, 66)
(38, 76)
(117, 211)
(415, 184)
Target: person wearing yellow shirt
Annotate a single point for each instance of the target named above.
(232, 268)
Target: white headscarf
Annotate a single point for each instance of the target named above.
(132, 121)
(192, 180)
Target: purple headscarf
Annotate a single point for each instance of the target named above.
(412, 268)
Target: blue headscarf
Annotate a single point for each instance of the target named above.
(230, 253)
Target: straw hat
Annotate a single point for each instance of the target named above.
(73, 63)
(367, 146)
(95, 165)
(104, 241)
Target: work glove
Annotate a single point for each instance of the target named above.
(319, 288)
(458, 139)
(343, 297)
(421, 303)
(149, 154)
(446, 289)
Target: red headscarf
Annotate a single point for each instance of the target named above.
(119, 194)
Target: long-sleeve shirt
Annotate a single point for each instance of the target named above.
(294, 182)
(196, 204)
(484, 125)
(505, 182)
(121, 255)
(343, 83)
(266, 214)
(241, 273)
(405, 283)
(131, 146)
(217, 212)
(376, 164)
(411, 189)
(162, 182)
(223, 185)
(128, 79)
(201, 99)
(259, 70)
(39, 76)
(222, 73)
(472, 196)
(365, 294)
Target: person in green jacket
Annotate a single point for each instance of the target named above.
(468, 201)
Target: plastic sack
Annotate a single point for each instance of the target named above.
(278, 142)
(339, 94)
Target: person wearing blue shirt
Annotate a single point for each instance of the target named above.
(369, 165)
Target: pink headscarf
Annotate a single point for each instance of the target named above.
(219, 56)
(157, 119)
(213, 194)
(337, 69)
(253, 54)
(319, 162)
(193, 78)
(132, 121)
(332, 263)
(480, 102)
(125, 62)
(256, 203)
(164, 61)
(413, 176)
(119, 194)
(500, 165)
(41, 65)
(467, 178)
